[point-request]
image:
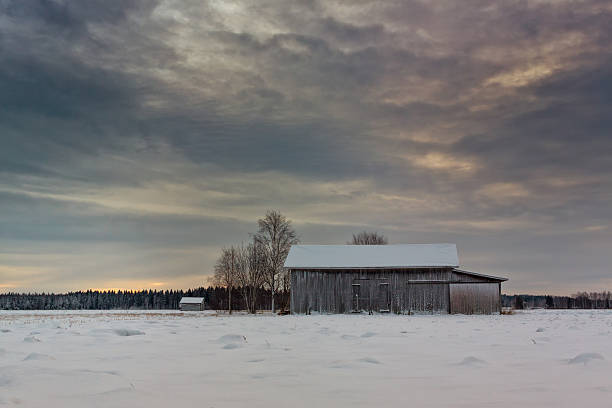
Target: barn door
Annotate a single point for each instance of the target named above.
(427, 297)
(357, 302)
(384, 297)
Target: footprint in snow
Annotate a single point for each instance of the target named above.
(5, 330)
(472, 361)
(369, 360)
(368, 334)
(128, 332)
(31, 339)
(340, 364)
(540, 330)
(348, 337)
(256, 360)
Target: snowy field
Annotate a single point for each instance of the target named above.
(170, 359)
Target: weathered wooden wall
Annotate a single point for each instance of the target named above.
(475, 298)
(191, 307)
(395, 290)
(425, 298)
(406, 291)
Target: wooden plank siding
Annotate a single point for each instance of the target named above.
(426, 298)
(475, 298)
(405, 291)
(191, 307)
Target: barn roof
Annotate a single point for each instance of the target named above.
(372, 256)
(196, 300)
(481, 275)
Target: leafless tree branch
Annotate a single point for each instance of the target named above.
(368, 238)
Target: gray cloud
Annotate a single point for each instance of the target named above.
(136, 130)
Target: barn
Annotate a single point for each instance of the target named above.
(404, 279)
(192, 304)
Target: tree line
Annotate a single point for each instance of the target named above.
(579, 300)
(216, 298)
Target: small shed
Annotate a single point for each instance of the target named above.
(191, 303)
(406, 279)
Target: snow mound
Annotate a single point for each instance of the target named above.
(369, 334)
(348, 337)
(259, 376)
(38, 357)
(472, 361)
(585, 358)
(256, 360)
(232, 338)
(31, 339)
(232, 341)
(128, 332)
(5, 381)
(341, 364)
(369, 360)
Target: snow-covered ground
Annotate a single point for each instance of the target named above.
(169, 359)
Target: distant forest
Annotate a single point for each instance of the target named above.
(580, 300)
(217, 297)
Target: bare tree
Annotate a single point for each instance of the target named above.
(226, 272)
(368, 238)
(251, 269)
(286, 282)
(275, 235)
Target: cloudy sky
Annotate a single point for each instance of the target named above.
(137, 138)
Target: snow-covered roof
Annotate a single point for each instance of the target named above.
(192, 300)
(482, 275)
(372, 256)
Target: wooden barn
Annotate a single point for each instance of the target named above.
(406, 279)
(191, 304)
